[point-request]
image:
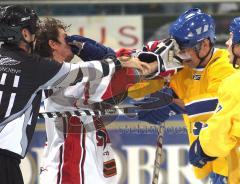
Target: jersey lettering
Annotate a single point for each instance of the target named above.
(12, 97)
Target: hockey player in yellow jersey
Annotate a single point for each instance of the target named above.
(221, 137)
(196, 85)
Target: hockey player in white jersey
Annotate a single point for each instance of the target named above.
(73, 154)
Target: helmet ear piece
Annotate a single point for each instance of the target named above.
(235, 29)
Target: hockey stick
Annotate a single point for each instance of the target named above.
(108, 115)
(159, 154)
(161, 128)
(156, 100)
(104, 112)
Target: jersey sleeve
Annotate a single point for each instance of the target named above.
(120, 82)
(145, 87)
(52, 74)
(220, 136)
(110, 88)
(43, 69)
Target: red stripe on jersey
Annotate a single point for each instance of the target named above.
(84, 154)
(86, 93)
(109, 168)
(59, 165)
(61, 152)
(73, 152)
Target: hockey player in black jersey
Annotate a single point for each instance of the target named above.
(22, 77)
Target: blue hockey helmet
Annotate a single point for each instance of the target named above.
(235, 29)
(192, 27)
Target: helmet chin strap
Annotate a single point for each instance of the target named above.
(235, 60)
(197, 50)
(29, 45)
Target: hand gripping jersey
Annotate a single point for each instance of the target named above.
(73, 154)
(198, 89)
(22, 77)
(221, 137)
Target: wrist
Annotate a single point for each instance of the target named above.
(117, 63)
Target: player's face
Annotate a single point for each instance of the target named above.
(62, 50)
(189, 57)
(233, 49)
(229, 47)
(193, 57)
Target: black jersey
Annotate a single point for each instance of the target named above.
(22, 77)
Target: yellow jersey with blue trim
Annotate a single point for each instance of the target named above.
(197, 88)
(221, 137)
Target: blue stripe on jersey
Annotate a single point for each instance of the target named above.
(201, 106)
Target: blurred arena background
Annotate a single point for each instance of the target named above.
(130, 23)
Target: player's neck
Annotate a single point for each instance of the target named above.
(58, 58)
(24, 46)
(207, 59)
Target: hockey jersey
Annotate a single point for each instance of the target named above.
(197, 88)
(73, 152)
(222, 135)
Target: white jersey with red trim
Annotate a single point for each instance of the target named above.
(72, 154)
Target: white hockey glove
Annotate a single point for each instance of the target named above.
(164, 52)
